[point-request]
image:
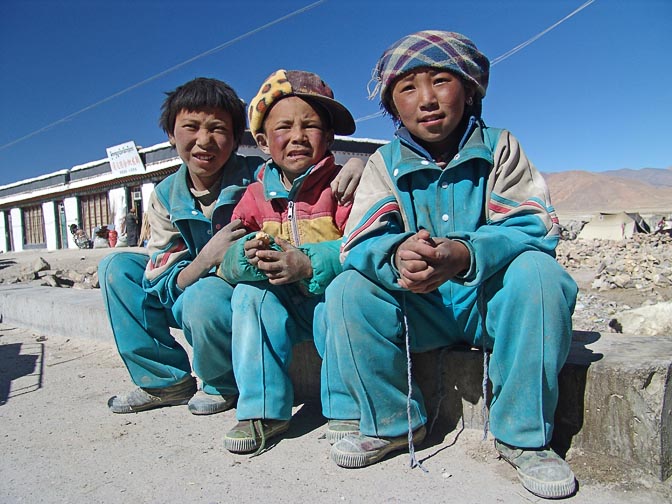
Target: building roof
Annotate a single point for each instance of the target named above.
(160, 160)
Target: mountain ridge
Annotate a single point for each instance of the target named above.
(647, 191)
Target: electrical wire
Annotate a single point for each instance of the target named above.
(513, 51)
(508, 53)
(165, 72)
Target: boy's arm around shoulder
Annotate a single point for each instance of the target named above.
(347, 180)
(376, 226)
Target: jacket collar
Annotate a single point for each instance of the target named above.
(274, 188)
(471, 146)
(182, 201)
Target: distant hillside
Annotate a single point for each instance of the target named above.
(653, 176)
(646, 191)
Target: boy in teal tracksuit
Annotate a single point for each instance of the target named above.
(189, 214)
(451, 239)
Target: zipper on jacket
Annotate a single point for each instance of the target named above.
(293, 225)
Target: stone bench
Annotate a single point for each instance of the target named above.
(615, 395)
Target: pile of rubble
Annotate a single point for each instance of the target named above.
(643, 262)
(626, 286)
(40, 271)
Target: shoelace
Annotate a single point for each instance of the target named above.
(258, 426)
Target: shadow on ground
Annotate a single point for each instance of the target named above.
(21, 369)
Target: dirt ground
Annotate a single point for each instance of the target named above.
(60, 443)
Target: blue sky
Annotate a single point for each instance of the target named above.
(594, 93)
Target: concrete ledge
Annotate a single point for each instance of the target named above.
(616, 399)
(615, 395)
(58, 311)
(615, 390)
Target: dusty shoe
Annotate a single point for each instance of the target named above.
(338, 429)
(143, 399)
(358, 450)
(541, 471)
(251, 435)
(208, 404)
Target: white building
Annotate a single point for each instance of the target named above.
(38, 212)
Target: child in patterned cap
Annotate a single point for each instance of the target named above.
(283, 266)
(450, 240)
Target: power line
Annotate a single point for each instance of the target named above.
(513, 51)
(165, 72)
(508, 53)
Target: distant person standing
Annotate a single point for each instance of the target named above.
(132, 227)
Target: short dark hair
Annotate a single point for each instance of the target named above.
(203, 93)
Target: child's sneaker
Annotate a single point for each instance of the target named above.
(338, 429)
(143, 399)
(358, 450)
(208, 404)
(251, 435)
(541, 471)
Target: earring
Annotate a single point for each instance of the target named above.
(470, 101)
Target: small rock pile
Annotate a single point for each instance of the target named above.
(643, 262)
(40, 271)
(618, 278)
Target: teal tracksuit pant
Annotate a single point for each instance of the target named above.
(527, 309)
(141, 327)
(267, 322)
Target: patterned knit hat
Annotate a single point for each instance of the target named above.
(283, 83)
(431, 48)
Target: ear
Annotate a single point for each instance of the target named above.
(171, 139)
(330, 138)
(469, 92)
(262, 142)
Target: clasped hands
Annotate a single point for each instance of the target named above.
(424, 263)
(284, 266)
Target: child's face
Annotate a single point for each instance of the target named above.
(204, 140)
(295, 136)
(430, 103)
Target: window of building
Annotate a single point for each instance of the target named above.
(95, 210)
(33, 226)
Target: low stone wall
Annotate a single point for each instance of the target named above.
(615, 395)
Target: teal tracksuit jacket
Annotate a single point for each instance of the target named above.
(143, 300)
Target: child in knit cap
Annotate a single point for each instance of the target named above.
(283, 266)
(451, 240)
